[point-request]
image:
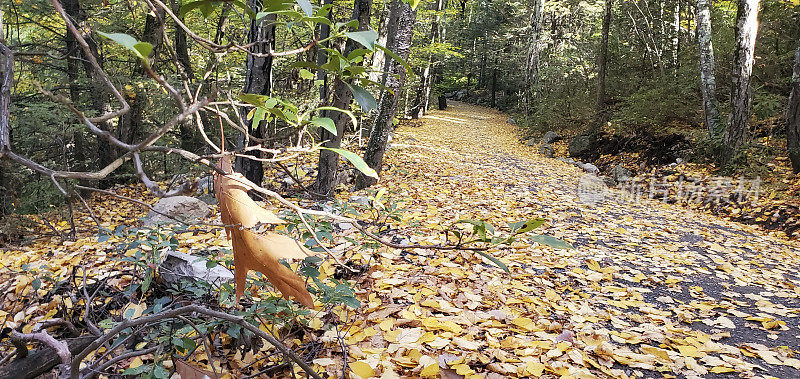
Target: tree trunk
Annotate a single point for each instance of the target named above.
(6, 80)
(181, 44)
(98, 92)
(400, 44)
(602, 58)
(494, 84)
(532, 64)
(708, 83)
(258, 80)
(328, 167)
(379, 57)
(793, 116)
(676, 36)
(428, 74)
(746, 30)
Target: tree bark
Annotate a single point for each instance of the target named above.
(327, 173)
(6, 81)
(428, 74)
(181, 44)
(746, 30)
(602, 58)
(793, 116)
(532, 64)
(400, 44)
(42, 360)
(708, 83)
(258, 80)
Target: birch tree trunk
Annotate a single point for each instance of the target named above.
(708, 83)
(258, 80)
(793, 116)
(746, 30)
(328, 166)
(400, 44)
(532, 64)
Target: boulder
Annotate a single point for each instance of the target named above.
(178, 266)
(620, 173)
(461, 94)
(531, 142)
(590, 168)
(171, 209)
(511, 121)
(547, 150)
(580, 145)
(550, 137)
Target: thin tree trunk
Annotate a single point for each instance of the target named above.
(6, 80)
(793, 116)
(379, 57)
(342, 98)
(602, 59)
(676, 36)
(708, 83)
(182, 45)
(258, 80)
(746, 30)
(532, 65)
(494, 84)
(379, 136)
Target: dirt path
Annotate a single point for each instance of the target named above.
(650, 287)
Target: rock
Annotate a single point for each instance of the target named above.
(679, 161)
(531, 142)
(590, 168)
(550, 137)
(620, 174)
(178, 266)
(608, 181)
(580, 145)
(511, 121)
(547, 150)
(461, 94)
(182, 208)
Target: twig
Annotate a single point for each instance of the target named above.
(125, 324)
(20, 342)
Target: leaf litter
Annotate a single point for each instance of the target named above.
(650, 289)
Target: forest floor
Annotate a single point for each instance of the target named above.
(649, 290)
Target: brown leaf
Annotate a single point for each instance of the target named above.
(252, 251)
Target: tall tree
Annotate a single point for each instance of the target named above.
(342, 97)
(532, 63)
(746, 30)
(258, 80)
(403, 16)
(602, 58)
(793, 116)
(708, 83)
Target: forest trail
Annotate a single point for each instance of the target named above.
(649, 285)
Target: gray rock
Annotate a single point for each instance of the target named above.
(580, 145)
(170, 209)
(178, 266)
(620, 173)
(511, 121)
(547, 150)
(461, 94)
(550, 137)
(531, 142)
(608, 181)
(590, 168)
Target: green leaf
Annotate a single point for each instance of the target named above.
(552, 242)
(366, 38)
(409, 70)
(305, 5)
(305, 74)
(356, 161)
(363, 97)
(527, 225)
(136, 371)
(140, 49)
(206, 7)
(495, 261)
(325, 123)
(345, 111)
